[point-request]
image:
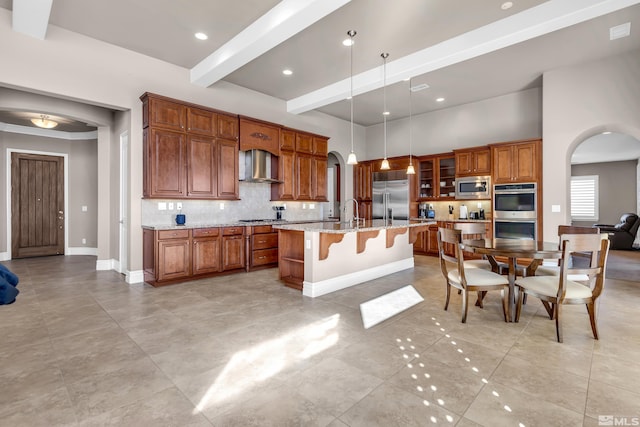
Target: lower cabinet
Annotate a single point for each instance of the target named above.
(232, 248)
(171, 256)
(427, 242)
(264, 247)
(206, 250)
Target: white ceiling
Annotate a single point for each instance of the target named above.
(465, 50)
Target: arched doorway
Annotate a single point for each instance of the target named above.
(610, 160)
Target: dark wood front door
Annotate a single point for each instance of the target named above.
(37, 205)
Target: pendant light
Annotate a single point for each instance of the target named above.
(410, 168)
(385, 113)
(351, 160)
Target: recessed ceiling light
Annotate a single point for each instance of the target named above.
(287, 72)
(201, 36)
(347, 42)
(440, 99)
(507, 5)
(620, 31)
(385, 113)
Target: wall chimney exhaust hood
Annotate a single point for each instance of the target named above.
(256, 166)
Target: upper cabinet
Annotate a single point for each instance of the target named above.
(189, 151)
(302, 167)
(436, 177)
(516, 161)
(259, 135)
(472, 162)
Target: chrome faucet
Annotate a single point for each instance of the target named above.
(356, 218)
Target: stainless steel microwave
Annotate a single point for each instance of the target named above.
(473, 187)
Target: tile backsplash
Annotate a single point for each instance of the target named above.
(255, 203)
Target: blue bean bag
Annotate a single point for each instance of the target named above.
(9, 276)
(8, 283)
(8, 292)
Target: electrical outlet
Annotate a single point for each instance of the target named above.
(308, 243)
(179, 206)
(84, 208)
(170, 206)
(84, 241)
(312, 205)
(221, 206)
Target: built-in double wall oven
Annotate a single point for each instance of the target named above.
(515, 211)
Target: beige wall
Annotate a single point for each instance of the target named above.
(73, 67)
(617, 189)
(504, 118)
(82, 181)
(579, 102)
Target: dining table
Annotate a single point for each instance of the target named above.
(527, 251)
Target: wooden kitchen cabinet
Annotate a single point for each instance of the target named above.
(320, 146)
(427, 242)
(304, 143)
(319, 178)
(189, 152)
(206, 251)
(166, 175)
(304, 170)
(264, 247)
(233, 248)
(174, 255)
(287, 174)
(202, 180)
(227, 162)
(362, 181)
(287, 140)
(432, 171)
(473, 162)
(516, 162)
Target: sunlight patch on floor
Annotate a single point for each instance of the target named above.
(251, 366)
(383, 307)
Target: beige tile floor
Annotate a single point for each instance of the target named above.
(81, 347)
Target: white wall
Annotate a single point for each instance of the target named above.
(579, 102)
(70, 66)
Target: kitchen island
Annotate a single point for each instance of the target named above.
(319, 258)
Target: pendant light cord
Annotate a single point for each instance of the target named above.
(384, 97)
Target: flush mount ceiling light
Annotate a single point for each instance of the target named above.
(201, 36)
(385, 163)
(287, 72)
(44, 122)
(351, 160)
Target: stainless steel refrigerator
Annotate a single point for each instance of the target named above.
(390, 195)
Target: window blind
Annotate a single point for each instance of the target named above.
(584, 198)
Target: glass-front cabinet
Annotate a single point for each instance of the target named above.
(437, 177)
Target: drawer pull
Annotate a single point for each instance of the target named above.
(262, 241)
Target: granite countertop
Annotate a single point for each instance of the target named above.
(230, 224)
(341, 228)
(450, 220)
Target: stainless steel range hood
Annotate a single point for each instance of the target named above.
(257, 167)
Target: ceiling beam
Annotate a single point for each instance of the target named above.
(31, 17)
(286, 19)
(534, 22)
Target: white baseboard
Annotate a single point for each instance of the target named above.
(4, 256)
(82, 251)
(324, 287)
(105, 264)
(135, 276)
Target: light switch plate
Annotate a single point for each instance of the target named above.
(162, 206)
(170, 206)
(555, 208)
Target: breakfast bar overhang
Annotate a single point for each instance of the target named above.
(319, 258)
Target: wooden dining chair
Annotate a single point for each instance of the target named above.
(553, 268)
(463, 278)
(555, 291)
(475, 231)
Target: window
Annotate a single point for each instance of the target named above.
(584, 198)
